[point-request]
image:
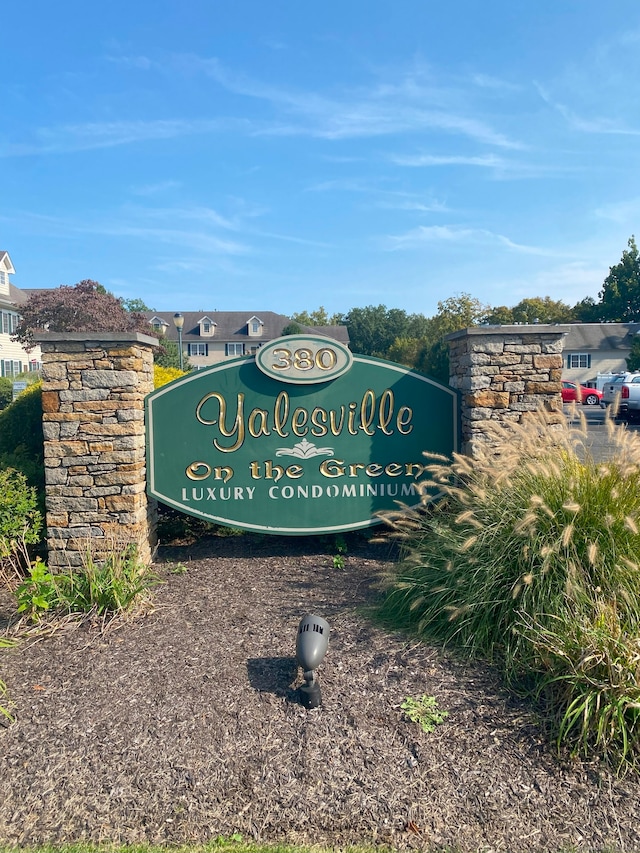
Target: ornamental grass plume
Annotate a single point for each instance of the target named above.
(527, 548)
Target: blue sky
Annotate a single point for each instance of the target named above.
(276, 155)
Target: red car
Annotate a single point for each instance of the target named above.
(586, 396)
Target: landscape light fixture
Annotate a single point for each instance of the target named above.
(311, 647)
(178, 322)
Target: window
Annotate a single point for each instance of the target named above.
(578, 359)
(5, 323)
(206, 328)
(255, 327)
(198, 349)
(234, 349)
(10, 368)
(3, 277)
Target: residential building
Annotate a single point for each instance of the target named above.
(596, 348)
(14, 359)
(209, 337)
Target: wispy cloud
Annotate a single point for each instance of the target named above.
(62, 139)
(487, 161)
(417, 238)
(620, 211)
(156, 189)
(382, 198)
(142, 225)
(380, 110)
(596, 125)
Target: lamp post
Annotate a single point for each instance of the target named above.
(178, 321)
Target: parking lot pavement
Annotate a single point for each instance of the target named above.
(597, 431)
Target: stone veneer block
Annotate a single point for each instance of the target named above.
(506, 373)
(95, 483)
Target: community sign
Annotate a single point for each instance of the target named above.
(303, 438)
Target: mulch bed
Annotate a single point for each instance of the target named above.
(184, 724)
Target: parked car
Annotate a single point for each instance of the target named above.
(625, 390)
(580, 393)
(611, 388)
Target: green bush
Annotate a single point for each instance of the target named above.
(6, 392)
(20, 524)
(531, 561)
(21, 438)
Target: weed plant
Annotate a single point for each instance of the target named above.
(530, 560)
(20, 525)
(100, 587)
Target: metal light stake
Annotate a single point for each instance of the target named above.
(311, 647)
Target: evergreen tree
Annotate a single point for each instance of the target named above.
(620, 294)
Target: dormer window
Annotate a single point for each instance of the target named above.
(207, 327)
(158, 325)
(254, 327)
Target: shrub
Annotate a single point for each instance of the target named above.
(531, 561)
(21, 439)
(162, 375)
(6, 392)
(20, 524)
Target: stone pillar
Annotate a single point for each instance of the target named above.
(503, 373)
(93, 390)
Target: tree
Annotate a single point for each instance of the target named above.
(586, 311)
(83, 307)
(135, 306)
(455, 313)
(168, 355)
(406, 351)
(319, 317)
(372, 330)
(500, 316)
(292, 328)
(633, 359)
(542, 310)
(620, 294)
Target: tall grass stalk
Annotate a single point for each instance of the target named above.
(103, 586)
(5, 712)
(527, 559)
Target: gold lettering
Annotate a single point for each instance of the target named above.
(332, 468)
(367, 412)
(238, 427)
(374, 470)
(385, 411)
(298, 422)
(404, 420)
(281, 414)
(393, 469)
(336, 429)
(319, 422)
(192, 471)
(351, 419)
(414, 469)
(258, 423)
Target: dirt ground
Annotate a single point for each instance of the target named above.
(184, 724)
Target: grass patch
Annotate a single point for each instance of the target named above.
(530, 561)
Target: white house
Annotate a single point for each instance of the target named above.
(209, 337)
(593, 348)
(13, 358)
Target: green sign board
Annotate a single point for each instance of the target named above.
(275, 444)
